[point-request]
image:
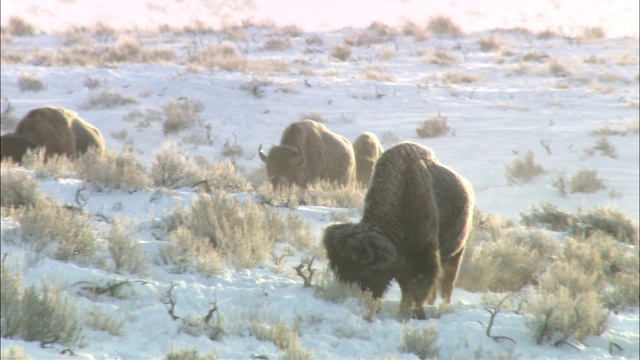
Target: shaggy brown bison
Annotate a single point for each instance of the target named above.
(416, 220)
(367, 150)
(58, 130)
(309, 152)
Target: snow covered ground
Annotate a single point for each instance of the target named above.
(549, 106)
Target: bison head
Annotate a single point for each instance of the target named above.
(14, 146)
(358, 253)
(285, 165)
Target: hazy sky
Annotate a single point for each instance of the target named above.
(616, 17)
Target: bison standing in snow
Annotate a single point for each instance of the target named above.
(367, 150)
(416, 220)
(309, 152)
(60, 131)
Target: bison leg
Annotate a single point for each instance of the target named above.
(420, 281)
(450, 273)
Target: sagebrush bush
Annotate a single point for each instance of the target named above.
(19, 27)
(489, 43)
(108, 99)
(10, 301)
(14, 353)
(434, 126)
(190, 354)
(523, 170)
(220, 175)
(420, 341)
(59, 232)
(451, 77)
(325, 193)
(126, 252)
(439, 57)
(98, 320)
(18, 188)
(180, 114)
(340, 52)
(56, 165)
(560, 316)
(130, 51)
(30, 82)
(188, 251)
(443, 25)
(509, 262)
(113, 170)
(548, 216)
(43, 315)
(586, 181)
(277, 43)
(171, 167)
(608, 220)
(377, 74)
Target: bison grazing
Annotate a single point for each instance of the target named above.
(59, 131)
(309, 152)
(416, 220)
(367, 150)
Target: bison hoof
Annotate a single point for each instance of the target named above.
(419, 314)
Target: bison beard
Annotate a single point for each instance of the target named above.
(414, 227)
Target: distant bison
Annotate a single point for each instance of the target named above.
(367, 150)
(309, 152)
(416, 220)
(58, 130)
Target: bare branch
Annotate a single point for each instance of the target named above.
(307, 279)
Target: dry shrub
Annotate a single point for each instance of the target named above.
(412, 29)
(452, 77)
(443, 25)
(559, 317)
(19, 27)
(523, 170)
(29, 82)
(113, 170)
(489, 43)
(325, 193)
(224, 56)
(377, 74)
(434, 126)
(129, 50)
(126, 252)
(220, 175)
(591, 33)
(277, 43)
(420, 341)
(586, 181)
(59, 233)
(18, 188)
(108, 99)
(48, 317)
(340, 52)
(607, 220)
(242, 232)
(180, 114)
(439, 57)
(189, 354)
(171, 167)
(188, 251)
(507, 262)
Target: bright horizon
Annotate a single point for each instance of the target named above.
(616, 17)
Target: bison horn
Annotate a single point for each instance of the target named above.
(263, 156)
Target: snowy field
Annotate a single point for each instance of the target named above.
(551, 96)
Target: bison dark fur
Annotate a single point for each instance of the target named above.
(367, 150)
(60, 131)
(416, 220)
(309, 152)
(15, 146)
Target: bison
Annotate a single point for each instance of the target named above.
(60, 131)
(367, 150)
(309, 152)
(416, 219)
